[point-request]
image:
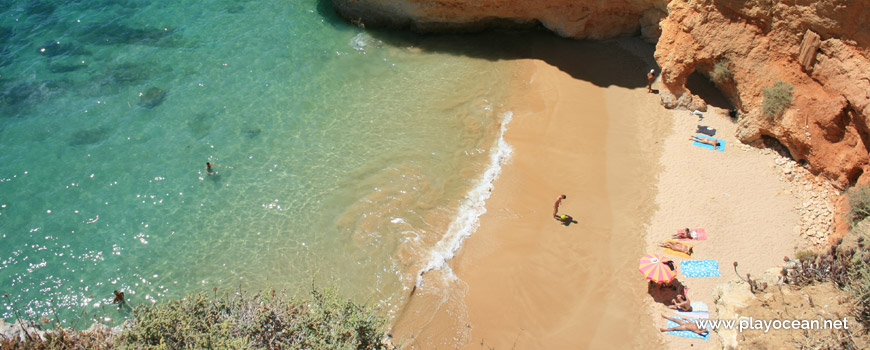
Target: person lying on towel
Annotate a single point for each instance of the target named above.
(686, 235)
(715, 143)
(678, 247)
(684, 326)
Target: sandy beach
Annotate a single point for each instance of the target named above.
(632, 179)
(533, 283)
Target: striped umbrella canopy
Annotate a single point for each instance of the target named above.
(653, 268)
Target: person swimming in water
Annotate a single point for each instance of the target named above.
(119, 299)
(208, 168)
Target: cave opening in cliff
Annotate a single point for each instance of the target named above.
(700, 85)
(772, 143)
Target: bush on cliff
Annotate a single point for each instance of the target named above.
(721, 73)
(261, 321)
(776, 99)
(239, 321)
(859, 204)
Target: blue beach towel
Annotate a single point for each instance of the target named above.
(686, 334)
(721, 147)
(700, 268)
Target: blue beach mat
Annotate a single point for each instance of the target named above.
(686, 334)
(721, 147)
(700, 268)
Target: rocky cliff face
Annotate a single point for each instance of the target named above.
(589, 19)
(820, 48)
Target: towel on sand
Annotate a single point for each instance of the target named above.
(701, 234)
(699, 310)
(706, 130)
(674, 252)
(721, 147)
(686, 334)
(700, 268)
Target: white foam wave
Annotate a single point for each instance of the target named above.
(472, 207)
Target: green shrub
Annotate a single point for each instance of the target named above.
(776, 99)
(268, 320)
(261, 321)
(721, 72)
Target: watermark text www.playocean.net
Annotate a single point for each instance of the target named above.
(749, 323)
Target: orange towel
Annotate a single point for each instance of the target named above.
(674, 252)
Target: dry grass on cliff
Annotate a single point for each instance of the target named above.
(859, 204)
(776, 99)
(721, 73)
(846, 264)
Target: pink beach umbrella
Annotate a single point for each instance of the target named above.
(653, 267)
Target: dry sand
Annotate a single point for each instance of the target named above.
(632, 178)
(736, 195)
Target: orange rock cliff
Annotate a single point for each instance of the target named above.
(820, 48)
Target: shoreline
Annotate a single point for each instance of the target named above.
(532, 283)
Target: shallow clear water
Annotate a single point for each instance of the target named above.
(340, 159)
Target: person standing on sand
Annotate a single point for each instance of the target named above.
(650, 78)
(565, 219)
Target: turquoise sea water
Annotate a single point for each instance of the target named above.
(340, 158)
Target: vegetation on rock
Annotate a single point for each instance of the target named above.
(721, 72)
(266, 320)
(859, 204)
(776, 99)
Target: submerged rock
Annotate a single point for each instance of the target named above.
(39, 8)
(65, 68)
(251, 131)
(57, 48)
(29, 92)
(153, 97)
(5, 34)
(115, 34)
(89, 136)
(201, 124)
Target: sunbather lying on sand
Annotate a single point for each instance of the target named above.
(715, 143)
(684, 326)
(677, 246)
(681, 303)
(687, 234)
